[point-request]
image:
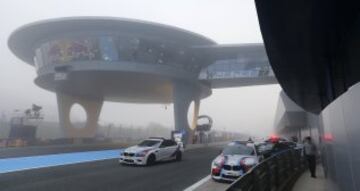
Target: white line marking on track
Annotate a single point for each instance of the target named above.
(197, 184)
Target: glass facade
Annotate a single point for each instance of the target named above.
(237, 68)
(114, 49)
(65, 51)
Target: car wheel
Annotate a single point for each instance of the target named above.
(178, 156)
(151, 160)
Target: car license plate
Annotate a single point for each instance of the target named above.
(129, 160)
(232, 174)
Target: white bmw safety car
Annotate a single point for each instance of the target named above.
(150, 151)
(234, 161)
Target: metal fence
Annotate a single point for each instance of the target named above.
(277, 173)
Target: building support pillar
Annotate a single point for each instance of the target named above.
(92, 107)
(195, 113)
(183, 94)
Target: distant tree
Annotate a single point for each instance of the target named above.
(36, 110)
(28, 113)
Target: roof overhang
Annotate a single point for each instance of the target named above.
(23, 40)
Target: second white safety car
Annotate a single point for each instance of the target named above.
(234, 161)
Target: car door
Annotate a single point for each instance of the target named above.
(172, 148)
(167, 149)
(163, 150)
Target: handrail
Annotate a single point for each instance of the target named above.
(277, 173)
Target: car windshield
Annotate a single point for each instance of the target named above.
(148, 143)
(238, 150)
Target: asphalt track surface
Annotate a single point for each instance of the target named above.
(108, 175)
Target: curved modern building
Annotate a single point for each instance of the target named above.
(88, 60)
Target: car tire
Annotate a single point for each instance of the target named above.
(178, 156)
(150, 160)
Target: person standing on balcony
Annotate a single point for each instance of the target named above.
(310, 151)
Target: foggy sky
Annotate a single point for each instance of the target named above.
(247, 109)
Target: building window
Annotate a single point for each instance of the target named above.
(116, 49)
(108, 50)
(68, 50)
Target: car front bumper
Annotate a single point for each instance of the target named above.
(227, 175)
(132, 160)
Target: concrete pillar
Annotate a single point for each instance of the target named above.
(183, 94)
(194, 119)
(195, 112)
(91, 106)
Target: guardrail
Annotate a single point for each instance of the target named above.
(277, 173)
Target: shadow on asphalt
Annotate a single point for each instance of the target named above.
(149, 166)
(223, 181)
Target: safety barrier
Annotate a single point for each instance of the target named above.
(277, 173)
